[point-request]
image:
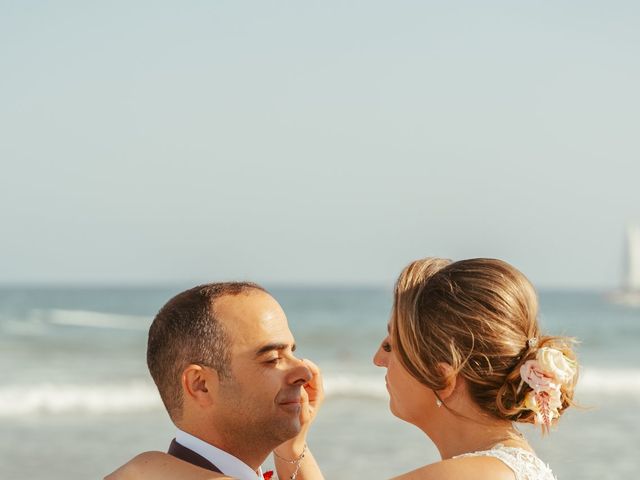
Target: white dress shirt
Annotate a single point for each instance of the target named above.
(226, 463)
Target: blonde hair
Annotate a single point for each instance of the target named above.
(477, 316)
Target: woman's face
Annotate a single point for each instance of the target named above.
(409, 399)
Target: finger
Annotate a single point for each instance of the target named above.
(316, 376)
(305, 413)
(315, 370)
(304, 396)
(314, 386)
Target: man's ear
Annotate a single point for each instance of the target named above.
(199, 384)
(451, 379)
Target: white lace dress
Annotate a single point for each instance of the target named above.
(525, 465)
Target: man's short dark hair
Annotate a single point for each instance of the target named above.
(186, 331)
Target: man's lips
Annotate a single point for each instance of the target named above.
(292, 406)
(290, 399)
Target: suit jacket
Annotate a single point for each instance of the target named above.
(183, 453)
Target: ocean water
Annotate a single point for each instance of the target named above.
(76, 399)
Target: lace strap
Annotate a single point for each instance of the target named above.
(524, 464)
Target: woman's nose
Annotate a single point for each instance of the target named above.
(380, 358)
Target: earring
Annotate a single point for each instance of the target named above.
(438, 402)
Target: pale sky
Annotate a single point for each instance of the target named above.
(316, 142)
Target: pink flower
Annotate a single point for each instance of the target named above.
(534, 376)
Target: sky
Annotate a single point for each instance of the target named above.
(316, 142)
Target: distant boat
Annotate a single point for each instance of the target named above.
(629, 294)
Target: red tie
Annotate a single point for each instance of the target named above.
(267, 475)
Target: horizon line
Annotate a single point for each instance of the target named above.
(278, 284)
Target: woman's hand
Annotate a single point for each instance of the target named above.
(312, 397)
(293, 459)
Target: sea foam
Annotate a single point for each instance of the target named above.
(141, 395)
(87, 318)
(48, 398)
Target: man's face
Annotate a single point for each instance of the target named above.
(262, 397)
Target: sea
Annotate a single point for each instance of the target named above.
(76, 400)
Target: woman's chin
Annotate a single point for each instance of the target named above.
(402, 415)
(394, 409)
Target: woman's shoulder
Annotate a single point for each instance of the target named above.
(499, 463)
(161, 466)
(468, 467)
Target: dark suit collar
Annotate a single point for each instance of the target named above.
(183, 453)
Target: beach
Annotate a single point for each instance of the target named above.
(76, 399)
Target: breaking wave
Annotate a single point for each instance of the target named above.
(141, 395)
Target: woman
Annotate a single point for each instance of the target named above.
(465, 362)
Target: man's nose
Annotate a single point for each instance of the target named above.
(300, 373)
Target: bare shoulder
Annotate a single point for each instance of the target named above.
(469, 468)
(161, 466)
(130, 471)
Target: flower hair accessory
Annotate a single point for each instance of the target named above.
(545, 375)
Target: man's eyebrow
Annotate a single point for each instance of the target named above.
(274, 346)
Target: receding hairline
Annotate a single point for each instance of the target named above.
(247, 291)
(228, 308)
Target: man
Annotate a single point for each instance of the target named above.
(222, 357)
